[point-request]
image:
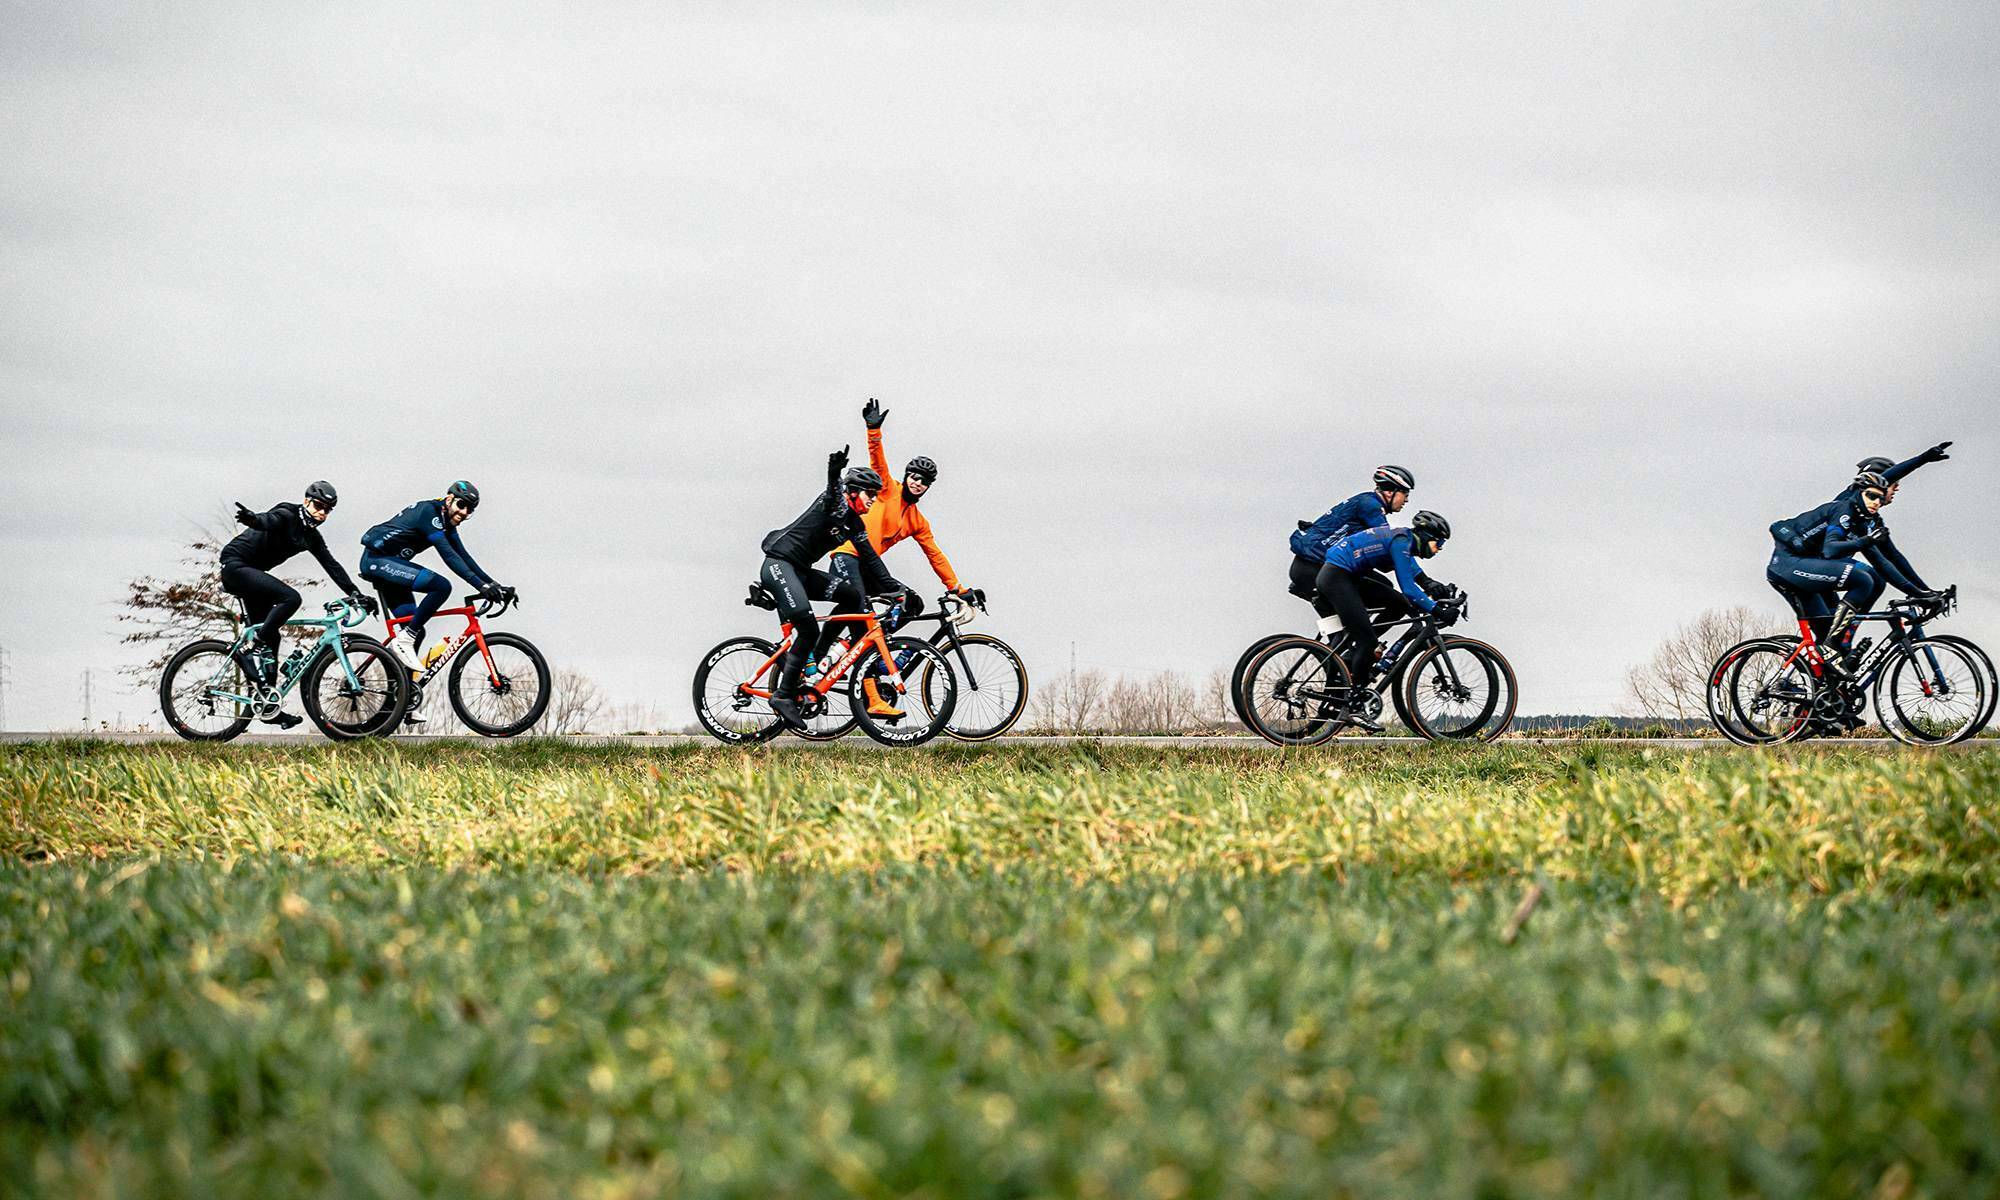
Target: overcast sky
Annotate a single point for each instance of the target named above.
(1621, 284)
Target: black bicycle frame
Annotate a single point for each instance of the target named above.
(947, 639)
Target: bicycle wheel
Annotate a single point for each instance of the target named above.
(1237, 700)
(922, 719)
(504, 696)
(1721, 712)
(1992, 679)
(1773, 692)
(197, 693)
(368, 705)
(1460, 690)
(991, 683)
(1929, 693)
(1294, 692)
(829, 719)
(730, 714)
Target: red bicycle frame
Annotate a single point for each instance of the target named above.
(472, 633)
(871, 635)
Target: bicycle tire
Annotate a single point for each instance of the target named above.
(1491, 721)
(461, 704)
(1243, 661)
(395, 689)
(1716, 694)
(1304, 694)
(766, 724)
(1896, 717)
(170, 708)
(1795, 716)
(964, 726)
(914, 656)
(1979, 654)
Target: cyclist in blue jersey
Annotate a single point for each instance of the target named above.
(1366, 510)
(1812, 557)
(1357, 557)
(385, 562)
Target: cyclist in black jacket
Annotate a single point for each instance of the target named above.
(833, 518)
(247, 563)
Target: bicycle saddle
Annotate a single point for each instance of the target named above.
(761, 597)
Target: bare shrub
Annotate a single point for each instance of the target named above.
(1673, 684)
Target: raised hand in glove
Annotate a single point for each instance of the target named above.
(244, 516)
(837, 461)
(873, 414)
(1936, 453)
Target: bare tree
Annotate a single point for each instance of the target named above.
(1673, 684)
(575, 703)
(164, 614)
(1073, 703)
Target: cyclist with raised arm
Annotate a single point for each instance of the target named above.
(386, 562)
(892, 518)
(1366, 510)
(832, 519)
(1813, 557)
(271, 538)
(1359, 557)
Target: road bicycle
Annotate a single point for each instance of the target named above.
(1338, 642)
(498, 683)
(734, 684)
(350, 685)
(992, 679)
(1297, 690)
(1926, 690)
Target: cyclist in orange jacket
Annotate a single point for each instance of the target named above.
(893, 518)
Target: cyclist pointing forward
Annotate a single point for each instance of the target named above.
(833, 518)
(389, 547)
(248, 560)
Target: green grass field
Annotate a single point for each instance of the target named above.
(539, 970)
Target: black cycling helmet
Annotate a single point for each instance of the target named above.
(1877, 464)
(321, 492)
(1872, 479)
(861, 479)
(923, 468)
(1428, 524)
(465, 492)
(1395, 479)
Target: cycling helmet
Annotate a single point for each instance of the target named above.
(1429, 524)
(321, 492)
(1394, 479)
(860, 479)
(1872, 479)
(464, 492)
(1876, 464)
(923, 468)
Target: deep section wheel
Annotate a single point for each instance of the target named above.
(722, 704)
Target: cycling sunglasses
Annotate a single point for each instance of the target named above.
(1875, 494)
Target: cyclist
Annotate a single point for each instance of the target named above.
(271, 538)
(891, 519)
(1356, 557)
(1813, 554)
(385, 562)
(1367, 510)
(832, 519)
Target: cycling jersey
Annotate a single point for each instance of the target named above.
(1835, 531)
(894, 517)
(423, 524)
(278, 535)
(1351, 515)
(826, 524)
(1384, 549)
(1892, 474)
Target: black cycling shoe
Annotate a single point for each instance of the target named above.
(283, 720)
(1360, 722)
(788, 712)
(256, 665)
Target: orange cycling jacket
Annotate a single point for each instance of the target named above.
(892, 518)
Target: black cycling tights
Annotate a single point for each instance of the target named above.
(1341, 591)
(267, 599)
(795, 588)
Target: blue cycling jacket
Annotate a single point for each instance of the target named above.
(1840, 527)
(1351, 515)
(1380, 550)
(421, 525)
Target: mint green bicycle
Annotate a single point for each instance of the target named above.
(350, 685)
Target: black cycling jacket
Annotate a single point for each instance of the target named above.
(278, 535)
(826, 523)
